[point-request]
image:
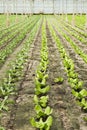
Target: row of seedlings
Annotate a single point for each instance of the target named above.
(73, 31)
(14, 31)
(73, 44)
(10, 47)
(77, 35)
(75, 47)
(76, 85)
(6, 38)
(15, 74)
(74, 28)
(6, 35)
(43, 118)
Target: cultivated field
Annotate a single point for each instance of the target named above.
(43, 73)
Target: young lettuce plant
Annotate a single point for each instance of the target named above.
(83, 104)
(80, 95)
(42, 125)
(76, 84)
(59, 80)
(43, 112)
(72, 74)
(42, 101)
(39, 90)
(41, 76)
(2, 128)
(40, 83)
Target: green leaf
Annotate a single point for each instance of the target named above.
(36, 99)
(58, 80)
(33, 122)
(39, 90)
(2, 128)
(48, 123)
(79, 85)
(43, 101)
(48, 110)
(40, 124)
(84, 103)
(83, 93)
(76, 94)
(39, 111)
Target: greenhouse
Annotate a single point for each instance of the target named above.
(43, 6)
(43, 64)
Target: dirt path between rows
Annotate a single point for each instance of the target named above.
(66, 113)
(23, 108)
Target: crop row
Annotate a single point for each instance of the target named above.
(14, 33)
(6, 36)
(74, 45)
(43, 118)
(9, 48)
(9, 84)
(12, 28)
(76, 85)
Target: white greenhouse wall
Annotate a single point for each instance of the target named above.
(43, 6)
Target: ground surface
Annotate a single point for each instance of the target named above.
(67, 115)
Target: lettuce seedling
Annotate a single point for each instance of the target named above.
(41, 124)
(85, 119)
(2, 128)
(39, 90)
(42, 101)
(58, 80)
(79, 95)
(43, 112)
(79, 85)
(41, 78)
(72, 74)
(3, 104)
(37, 124)
(83, 103)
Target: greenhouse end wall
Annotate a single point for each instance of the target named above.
(43, 6)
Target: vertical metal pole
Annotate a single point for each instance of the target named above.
(66, 11)
(73, 16)
(53, 8)
(62, 9)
